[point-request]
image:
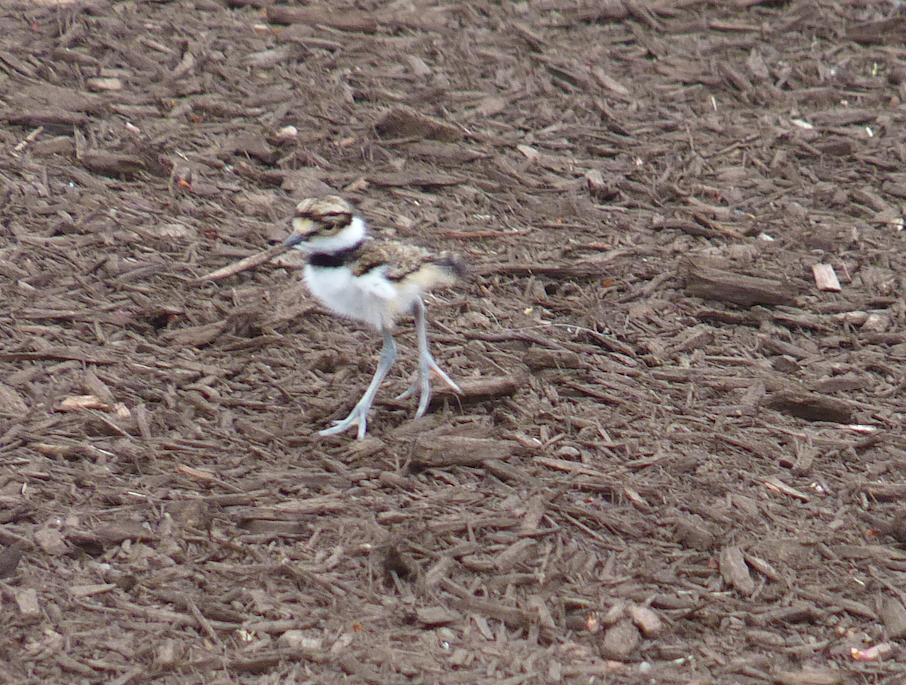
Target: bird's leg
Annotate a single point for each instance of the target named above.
(426, 365)
(359, 414)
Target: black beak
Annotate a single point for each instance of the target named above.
(293, 239)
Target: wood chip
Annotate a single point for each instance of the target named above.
(110, 534)
(646, 620)
(82, 403)
(798, 612)
(477, 389)
(735, 572)
(11, 403)
(693, 533)
(51, 541)
(779, 486)
(598, 187)
(202, 475)
(534, 512)
(437, 616)
(427, 179)
(91, 590)
(876, 323)
(826, 278)
(298, 640)
(718, 284)
(893, 614)
(514, 555)
(9, 561)
(835, 600)
(512, 617)
(537, 359)
(405, 122)
(27, 601)
(824, 676)
(810, 406)
(620, 641)
(196, 336)
(609, 82)
(101, 84)
(113, 164)
(59, 122)
(450, 450)
(491, 106)
(763, 567)
(339, 19)
(530, 153)
(878, 32)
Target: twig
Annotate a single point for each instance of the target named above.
(30, 138)
(249, 262)
(202, 621)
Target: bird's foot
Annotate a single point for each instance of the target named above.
(422, 385)
(357, 417)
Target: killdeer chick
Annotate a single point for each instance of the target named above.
(374, 282)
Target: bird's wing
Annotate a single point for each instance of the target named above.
(398, 259)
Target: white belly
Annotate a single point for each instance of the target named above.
(371, 298)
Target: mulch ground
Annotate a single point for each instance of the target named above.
(679, 456)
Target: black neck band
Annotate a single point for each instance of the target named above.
(334, 260)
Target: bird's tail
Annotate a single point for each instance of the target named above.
(452, 263)
(441, 272)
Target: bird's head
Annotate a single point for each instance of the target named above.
(325, 224)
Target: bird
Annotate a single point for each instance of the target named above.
(374, 282)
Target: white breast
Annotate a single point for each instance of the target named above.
(371, 298)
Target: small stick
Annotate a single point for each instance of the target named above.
(30, 138)
(202, 621)
(249, 262)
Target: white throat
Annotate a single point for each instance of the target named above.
(346, 239)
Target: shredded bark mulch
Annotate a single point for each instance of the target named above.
(679, 456)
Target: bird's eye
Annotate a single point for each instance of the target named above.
(333, 224)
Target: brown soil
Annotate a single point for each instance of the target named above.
(676, 459)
